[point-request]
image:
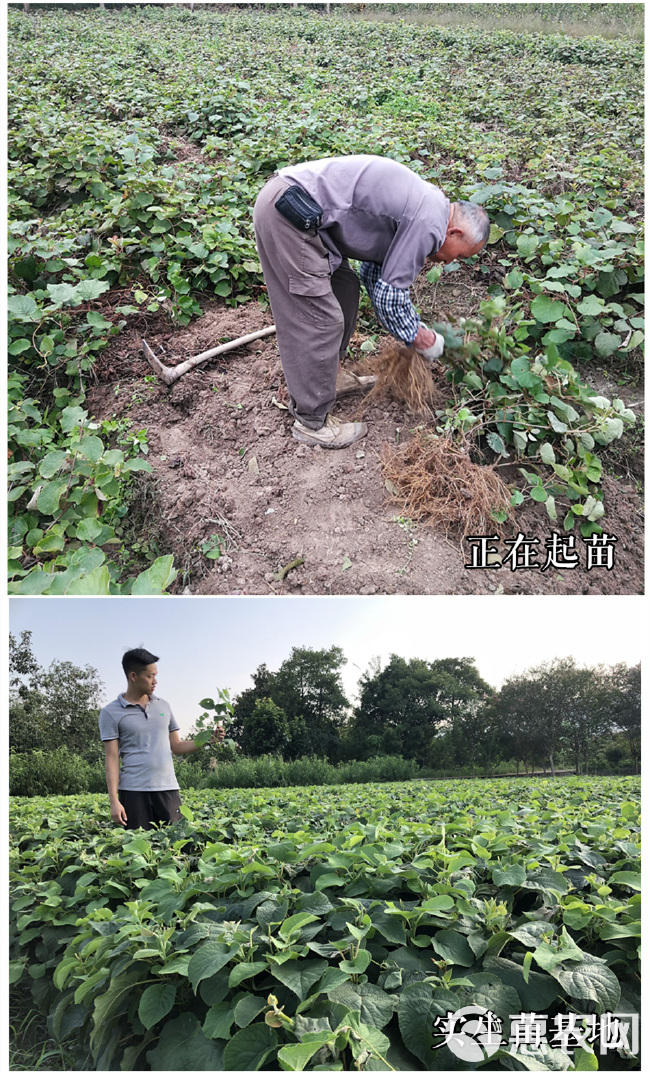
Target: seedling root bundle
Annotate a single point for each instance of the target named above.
(441, 485)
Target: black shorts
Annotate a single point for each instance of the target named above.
(143, 809)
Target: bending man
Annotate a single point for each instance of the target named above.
(370, 209)
(140, 729)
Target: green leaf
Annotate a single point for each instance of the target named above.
(22, 307)
(91, 447)
(72, 417)
(545, 879)
(513, 874)
(551, 508)
(374, 1005)
(208, 960)
(527, 244)
(18, 346)
(245, 971)
(536, 995)
(539, 494)
(556, 424)
(95, 583)
(50, 496)
(89, 289)
(607, 343)
(591, 980)
(155, 1003)
(514, 279)
(247, 1008)
(419, 1006)
(89, 529)
(626, 878)
(299, 975)
(547, 454)
(453, 947)
(584, 1060)
(591, 306)
(249, 1048)
(520, 370)
(183, 1047)
(63, 294)
(52, 462)
(295, 1056)
(157, 578)
(137, 464)
(546, 310)
(219, 1020)
(496, 443)
(296, 923)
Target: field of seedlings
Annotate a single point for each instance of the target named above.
(330, 928)
(139, 139)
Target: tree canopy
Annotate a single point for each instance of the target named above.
(53, 707)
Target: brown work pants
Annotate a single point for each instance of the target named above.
(315, 312)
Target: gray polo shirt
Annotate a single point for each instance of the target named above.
(375, 209)
(143, 735)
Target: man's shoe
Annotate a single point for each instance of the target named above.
(332, 436)
(346, 382)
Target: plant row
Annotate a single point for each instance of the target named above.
(327, 928)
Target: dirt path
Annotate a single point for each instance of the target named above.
(225, 465)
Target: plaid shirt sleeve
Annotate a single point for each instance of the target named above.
(393, 307)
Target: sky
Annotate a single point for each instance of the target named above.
(207, 643)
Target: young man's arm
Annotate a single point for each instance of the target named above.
(112, 768)
(179, 747)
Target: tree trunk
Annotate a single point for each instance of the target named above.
(552, 764)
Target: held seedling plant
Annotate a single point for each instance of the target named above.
(328, 928)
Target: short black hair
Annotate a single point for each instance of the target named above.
(136, 659)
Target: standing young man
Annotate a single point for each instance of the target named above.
(139, 729)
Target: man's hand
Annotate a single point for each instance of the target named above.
(118, 814)
(218, 735)
(428, 343)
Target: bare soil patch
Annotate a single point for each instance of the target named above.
(225, 465)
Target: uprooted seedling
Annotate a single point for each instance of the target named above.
(404, 376)
(438, 483)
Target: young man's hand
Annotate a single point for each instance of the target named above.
(218, 735)
(118, 813)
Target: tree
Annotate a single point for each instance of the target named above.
(409, 703)
(559, 706)
(52, 708)
(266, 729)
(308, 690)
(531, 709)
(624, 704)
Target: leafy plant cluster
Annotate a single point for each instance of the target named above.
(221, 711)
(327, 928)
(137, 148)
(533, 407)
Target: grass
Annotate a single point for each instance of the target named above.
(30, 1046)
(576, 20)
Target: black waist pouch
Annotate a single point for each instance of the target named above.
(299, 208)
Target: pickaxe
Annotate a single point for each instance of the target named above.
(170, 375)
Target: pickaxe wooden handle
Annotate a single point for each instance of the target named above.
(170, 375)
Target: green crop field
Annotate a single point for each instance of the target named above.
(138, 141)
(330, 927)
